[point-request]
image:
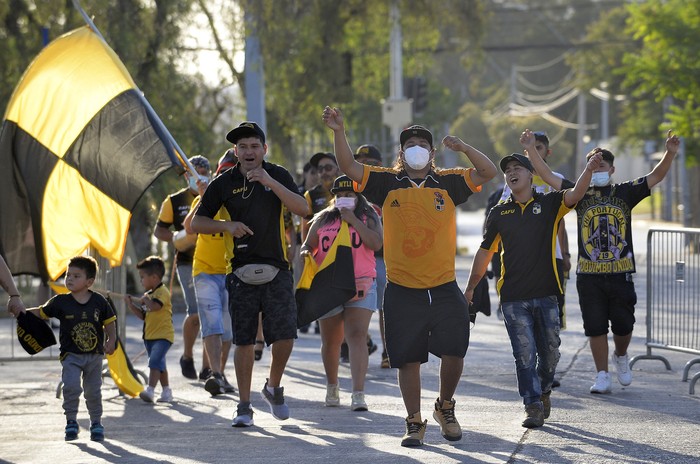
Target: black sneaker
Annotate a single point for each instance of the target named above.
(72, 430)
(205, 373)
(97, 432)
(187, 366)
(371, 346)
(344, 353)
(228, 388)
(215, 384)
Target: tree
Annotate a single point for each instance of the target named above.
(667, 65)
(337, 52)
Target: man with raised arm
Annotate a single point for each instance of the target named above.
(606, 256)
(526, 225)
(424, 309)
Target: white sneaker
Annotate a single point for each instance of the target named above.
(622, 365)
(602, 384)
(332, 395)
(166, 396)
(358, 401)
(147, 395)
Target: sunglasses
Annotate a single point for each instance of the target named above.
(327, 168)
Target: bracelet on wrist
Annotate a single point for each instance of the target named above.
(15, 296)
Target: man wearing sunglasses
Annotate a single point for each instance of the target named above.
(320, 195)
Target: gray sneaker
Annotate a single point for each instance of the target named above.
(278, 408)
(244, 416)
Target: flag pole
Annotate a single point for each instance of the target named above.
(179, 152)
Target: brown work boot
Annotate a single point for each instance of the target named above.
(534, 415)
(546, 403)
(444, 414)
(415, 431)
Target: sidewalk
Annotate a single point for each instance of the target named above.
(654, 420)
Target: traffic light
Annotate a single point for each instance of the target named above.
(420, 100)
(416, 88)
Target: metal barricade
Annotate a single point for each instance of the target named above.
(673, 296)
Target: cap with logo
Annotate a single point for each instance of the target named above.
(416, 131)
(33, 333)
(342, 184)
(245, 129)
(368, 151)
(520, 159)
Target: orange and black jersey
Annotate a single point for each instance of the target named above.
(255, 206)
(420, 226)
(528, 233)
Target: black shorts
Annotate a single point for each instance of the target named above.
(418, 321)
(274, 299)
(606, 297)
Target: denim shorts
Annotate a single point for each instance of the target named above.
(369, 302)
(212, 305)
(184, 275)
(157, 349)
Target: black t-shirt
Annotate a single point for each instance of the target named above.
(605, 227)
(255, 206)
(82, 325)
(528, 234)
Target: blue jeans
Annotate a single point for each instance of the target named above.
(533, 328)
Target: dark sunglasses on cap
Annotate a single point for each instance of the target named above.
(327, 167)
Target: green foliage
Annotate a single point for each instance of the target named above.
(337, 53)
(666, 67)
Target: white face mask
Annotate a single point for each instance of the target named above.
(600, 179)
(192, 181)
(345, 203)
(416, 157)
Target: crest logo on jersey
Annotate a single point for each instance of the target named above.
(439, 202)
(536, 208)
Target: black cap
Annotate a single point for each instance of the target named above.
(319, 156)
(416, 131)
(34, 334)
(245, 129)
(342, 184)
(368, 151)
(516, 157)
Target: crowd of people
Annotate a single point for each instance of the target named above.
(238, 258)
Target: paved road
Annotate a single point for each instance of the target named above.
(654, 420)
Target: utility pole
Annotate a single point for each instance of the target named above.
(397, 110)
(254, 76)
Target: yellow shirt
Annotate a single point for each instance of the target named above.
(420, 226)
(210, 251)
(158, 325)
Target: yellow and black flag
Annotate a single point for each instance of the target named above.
(79, 146)
(332, 283)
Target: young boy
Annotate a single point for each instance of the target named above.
(85, 318)
(156, 312)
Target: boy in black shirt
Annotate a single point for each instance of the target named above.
(85, 318)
